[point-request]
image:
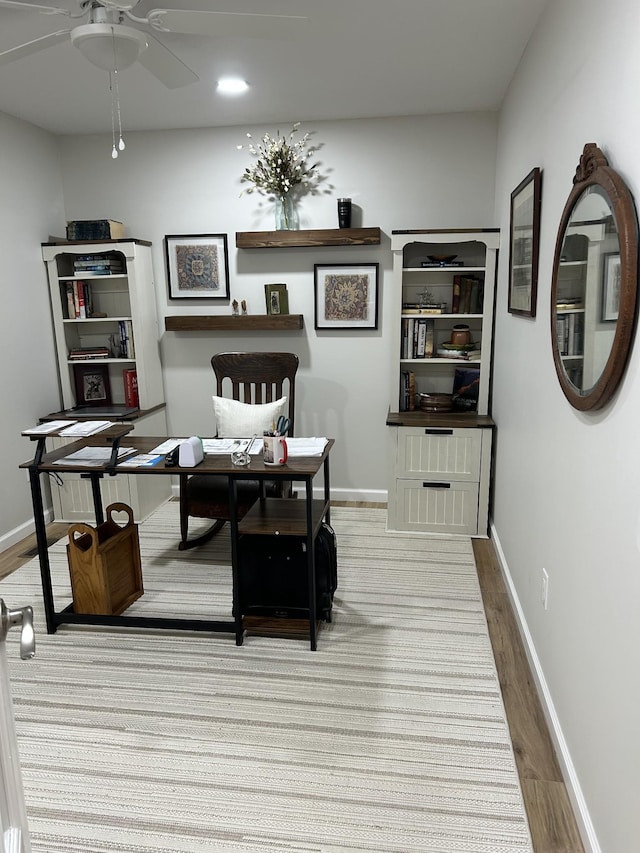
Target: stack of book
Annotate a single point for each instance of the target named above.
(88, 353)
(107, 264)
(467, 352)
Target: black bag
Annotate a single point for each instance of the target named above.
(273, 575)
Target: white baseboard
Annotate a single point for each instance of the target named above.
(583, 818)
(12, 537)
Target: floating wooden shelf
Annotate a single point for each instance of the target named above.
(227, 323)
(313, 238)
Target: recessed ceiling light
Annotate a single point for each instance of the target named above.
(232, 86)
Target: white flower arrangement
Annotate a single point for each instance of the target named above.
(282, 164)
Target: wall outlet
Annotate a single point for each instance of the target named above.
(545, 588)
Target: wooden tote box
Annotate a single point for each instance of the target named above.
(104, 564)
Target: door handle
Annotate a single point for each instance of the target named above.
(433, 485)
(23, 616)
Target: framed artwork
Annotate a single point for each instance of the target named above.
(92, 384)
(610, 287)
(197, 266)
(276, 298)
(524, 245)
(346, 296)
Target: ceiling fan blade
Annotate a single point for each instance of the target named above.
(228, 24)
(33, 46)
(30, 7)
(165, 65)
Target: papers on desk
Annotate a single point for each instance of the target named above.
(306, 446)
(82, 428)
(232, 445)
(47, 427)
(93, 457)
(140, 460)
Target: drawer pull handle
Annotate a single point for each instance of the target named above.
(438, 432)
(433, 485)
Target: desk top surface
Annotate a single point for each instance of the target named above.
(212, 464)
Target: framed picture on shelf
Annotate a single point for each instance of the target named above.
(92, 384)
(346, 296)
(276, 298)
(610, 287)
(197, 266)
(524, 245)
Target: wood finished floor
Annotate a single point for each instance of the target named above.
(552, 823)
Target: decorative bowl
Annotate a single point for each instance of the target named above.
(435, 402)
(442, 259)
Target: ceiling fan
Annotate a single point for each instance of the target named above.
(108, 41)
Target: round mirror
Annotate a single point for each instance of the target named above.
(594, 288)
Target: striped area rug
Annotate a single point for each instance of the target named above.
(391, 737)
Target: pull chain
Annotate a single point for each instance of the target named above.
(115, 105)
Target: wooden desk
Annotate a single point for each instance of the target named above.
(269, 515)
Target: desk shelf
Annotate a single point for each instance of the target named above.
(282, 516)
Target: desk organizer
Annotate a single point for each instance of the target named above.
(104, 564)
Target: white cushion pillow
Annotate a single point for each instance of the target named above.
(243, 420)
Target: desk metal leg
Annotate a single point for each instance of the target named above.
(237, 598)
(327, 490)
(43, 548)
(311, 567)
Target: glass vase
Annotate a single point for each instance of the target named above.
(286, 214)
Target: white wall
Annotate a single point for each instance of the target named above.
(567, 493)
(403, 173)
(31, 209)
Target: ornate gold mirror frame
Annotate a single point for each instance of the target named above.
(594, 287)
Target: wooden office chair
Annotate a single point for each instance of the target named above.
(256, 378)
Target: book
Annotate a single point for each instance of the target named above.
(455, 294)
(94, 229)
(130, 382)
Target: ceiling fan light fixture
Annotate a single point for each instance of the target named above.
(232, 86)
(111, 47)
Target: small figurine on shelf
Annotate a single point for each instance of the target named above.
(244, 306)
(234, 305)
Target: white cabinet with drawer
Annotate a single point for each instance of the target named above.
(439, 476)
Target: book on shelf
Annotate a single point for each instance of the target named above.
(125, 329)
(94, 229)
(418, 336)
(408, 391)
(79, 300)
(467, 295)
(459, 355)
(416, 308)
(80, 353)
(130, 382)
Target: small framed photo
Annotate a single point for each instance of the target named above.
(524, 245)
(276, 298)
(610, 287)
(92, 384)
(346, 296)
(197, 266)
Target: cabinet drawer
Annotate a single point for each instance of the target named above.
(448, 454)
(437, 507)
